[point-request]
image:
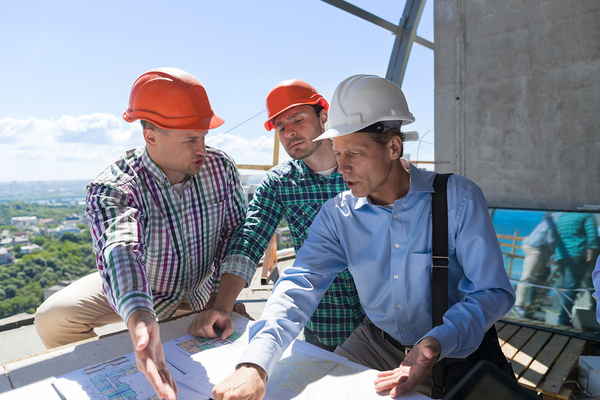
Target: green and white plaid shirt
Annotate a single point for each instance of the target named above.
(291, 191)
(154, 247)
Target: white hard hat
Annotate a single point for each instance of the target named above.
(363, 100)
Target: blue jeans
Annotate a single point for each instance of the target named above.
(572, 274)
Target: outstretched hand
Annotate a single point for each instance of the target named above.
(416, 366)
(149, 355)
(248, 382)
(205, 323)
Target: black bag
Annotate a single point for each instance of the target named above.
(446, 375)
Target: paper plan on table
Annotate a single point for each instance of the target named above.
(304, 372)
(182, 353)
(120, 379)
(116, 379)
(197, 364)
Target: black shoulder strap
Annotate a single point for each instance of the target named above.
(439, 277)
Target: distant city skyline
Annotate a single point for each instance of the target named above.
(68, 68)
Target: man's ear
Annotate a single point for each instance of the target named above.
(323, 117)
(150, 136)
(395, 146)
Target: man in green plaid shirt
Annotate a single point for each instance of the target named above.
(295, 190)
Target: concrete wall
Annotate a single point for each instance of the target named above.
(517, 99)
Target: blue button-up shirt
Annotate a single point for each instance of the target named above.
(388, 252)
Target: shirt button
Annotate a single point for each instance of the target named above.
(398, 305)
(396, 245)
(395, 276)
(303, 213)
(403, 328)
(395, 216)
(187, 234)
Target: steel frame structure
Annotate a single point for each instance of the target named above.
(405, 32)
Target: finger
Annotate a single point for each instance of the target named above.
(154, 377)
(391, 382)
(383, 374)
(169, 384)
(428, 352)
(203, 325)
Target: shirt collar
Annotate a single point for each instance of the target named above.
(307, 171)
(156, 173)
(418, 182)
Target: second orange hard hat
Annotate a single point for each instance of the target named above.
(171, 99)
(291, 93)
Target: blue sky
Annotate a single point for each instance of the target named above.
(68, 66)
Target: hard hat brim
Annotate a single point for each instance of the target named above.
(337, 131)
(190, 123)
(270, 125)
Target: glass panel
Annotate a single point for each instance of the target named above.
(549, 257)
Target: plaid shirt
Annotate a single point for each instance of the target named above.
(291, 191)
(576, 234)
(155, 248)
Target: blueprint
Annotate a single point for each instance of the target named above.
(197, 364)
(304, 372)
(117, 379)
(120, 379)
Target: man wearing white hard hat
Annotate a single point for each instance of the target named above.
(381, 230)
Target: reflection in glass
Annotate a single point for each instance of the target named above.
(549, 257)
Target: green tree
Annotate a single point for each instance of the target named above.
(10, 291)
(39, 240)
(69, 236)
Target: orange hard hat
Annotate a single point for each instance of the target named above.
(171, 99)
(291, 93)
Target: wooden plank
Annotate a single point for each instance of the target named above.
(565, 394)
(541, 364)
(499, 325)
(525, 356)
(564, 365)
(514, 344)
(507, 332)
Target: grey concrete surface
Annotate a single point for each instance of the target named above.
(516, 99)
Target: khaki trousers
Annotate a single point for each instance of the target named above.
(71, 314)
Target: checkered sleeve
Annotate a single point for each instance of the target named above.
(116, 225)
(251, 240)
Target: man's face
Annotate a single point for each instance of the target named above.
(364, 164)
(177, 152)
(297, 127)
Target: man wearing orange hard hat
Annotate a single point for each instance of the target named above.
(295, 190)
(162, 218)
(381, 230)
